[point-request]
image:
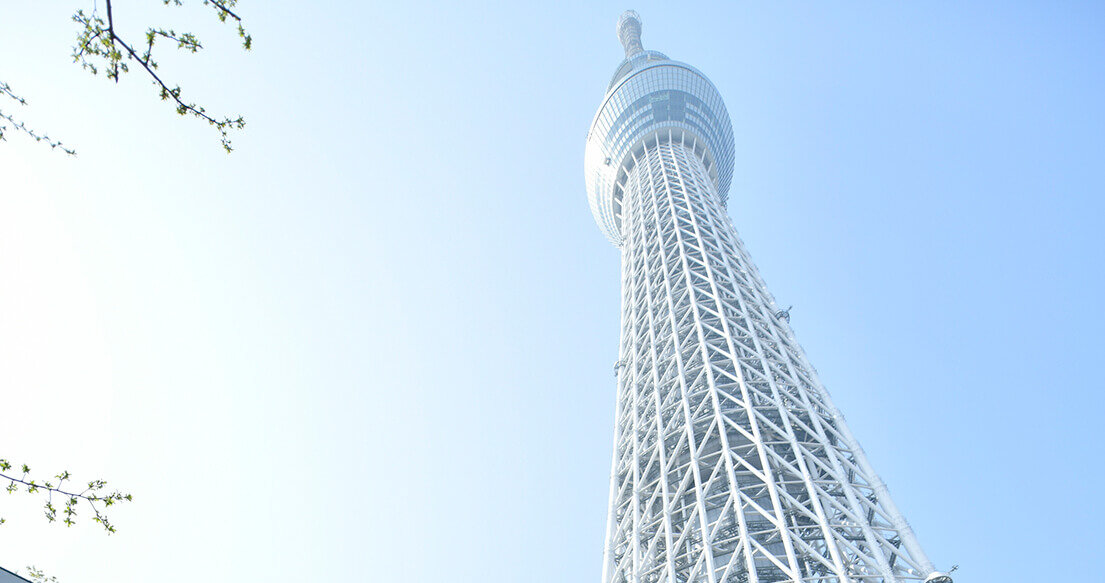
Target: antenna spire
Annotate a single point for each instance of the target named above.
(629, 32)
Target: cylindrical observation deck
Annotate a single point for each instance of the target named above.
(652, 96)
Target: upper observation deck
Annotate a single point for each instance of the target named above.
(650, 96)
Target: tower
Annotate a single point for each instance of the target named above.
(731, 463)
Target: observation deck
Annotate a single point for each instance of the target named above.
(652, 96)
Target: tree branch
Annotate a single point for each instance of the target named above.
(6, 90)
(95, 495)
(224, 9)
(39, 576)
(111, 35)
(100, 40)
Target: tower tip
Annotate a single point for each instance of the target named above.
(629, 32)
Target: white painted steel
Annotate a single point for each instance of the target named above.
(731, 464)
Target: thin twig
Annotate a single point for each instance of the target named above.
(226, 10)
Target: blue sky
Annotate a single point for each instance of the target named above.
(376, 342)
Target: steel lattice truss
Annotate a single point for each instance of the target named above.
(731, 464)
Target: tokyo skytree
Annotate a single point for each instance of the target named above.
(731, 463)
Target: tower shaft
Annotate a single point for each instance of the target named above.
(729, 464)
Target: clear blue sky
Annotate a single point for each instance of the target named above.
(376, 342)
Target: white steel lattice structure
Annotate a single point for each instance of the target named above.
(731, 464)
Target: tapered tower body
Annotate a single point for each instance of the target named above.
(731, 464)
